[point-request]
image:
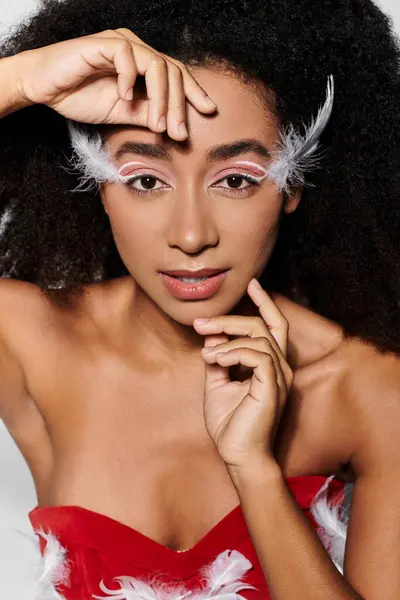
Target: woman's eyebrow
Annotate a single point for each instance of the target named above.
(237, 148)
(220, 152)
(148, 150)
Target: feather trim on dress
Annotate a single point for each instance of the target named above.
(333, 521)
(223, 578)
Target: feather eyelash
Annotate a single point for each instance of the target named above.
(296, 155)
(90, 158)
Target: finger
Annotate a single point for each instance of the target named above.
(176, 117)
(126, 69)
(193, 91)
(196, 95)
(239, 325)
(261, 344)
(265, 380)
(215, 375)
(154, 68)
(165, 92)
(156, 77)
(213, 341)
(274, 319)
(130, 113)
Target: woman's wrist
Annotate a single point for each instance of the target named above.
(257, 470)
(12, 97)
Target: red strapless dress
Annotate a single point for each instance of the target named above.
(100, 549)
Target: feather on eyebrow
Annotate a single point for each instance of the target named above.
(220, 152)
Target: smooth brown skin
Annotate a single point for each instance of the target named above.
(105, 400)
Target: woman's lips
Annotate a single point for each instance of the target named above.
(199, 290)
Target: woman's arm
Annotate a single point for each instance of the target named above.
(294, 561)
(11, 97)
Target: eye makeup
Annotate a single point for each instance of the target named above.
(295, 154)
(133, 164)
(257, 167)
(235, 174)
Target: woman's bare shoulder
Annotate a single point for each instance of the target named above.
(365, 408)
(27, 312)
(20, 302)
(348, 389)
(372, 404)
(311, 336)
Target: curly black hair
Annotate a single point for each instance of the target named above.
(338, 252)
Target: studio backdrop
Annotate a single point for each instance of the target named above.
(17, 494)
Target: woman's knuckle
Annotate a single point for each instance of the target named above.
(265, 344)
(124, 31)
(158, 61)
(124, 44)
(177, 106)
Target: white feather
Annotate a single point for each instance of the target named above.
(132, 588)
(332, 522)
(55, 568)
(224, 575)
(90, 158)
(297, 153)
(223, 581)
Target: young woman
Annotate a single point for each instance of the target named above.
(177, 458)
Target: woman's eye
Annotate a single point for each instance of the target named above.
(237, 181)
(145, 183)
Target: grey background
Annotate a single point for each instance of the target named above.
(18, 557)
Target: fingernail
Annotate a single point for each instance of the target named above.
(209, 101)
(256, 284)
(201, 321)
(182, 129)
(129, 94)
(162, 123)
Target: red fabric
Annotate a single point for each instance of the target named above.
(101, 548)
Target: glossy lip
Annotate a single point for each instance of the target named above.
(189, 273)
(200, 290)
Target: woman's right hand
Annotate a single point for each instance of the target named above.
(87, 79)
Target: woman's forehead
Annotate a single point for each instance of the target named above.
(242, 115)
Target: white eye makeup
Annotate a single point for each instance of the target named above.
(241, 181)
(256, 167)
(144, 180)
(295, 154)
(147, 180)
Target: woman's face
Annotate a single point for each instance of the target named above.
(196, 205)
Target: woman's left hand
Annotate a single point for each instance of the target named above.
(242, 417)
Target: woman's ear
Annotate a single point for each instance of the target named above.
(103, 200)
(292, 200)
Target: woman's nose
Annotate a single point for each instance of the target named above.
(191, 225)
